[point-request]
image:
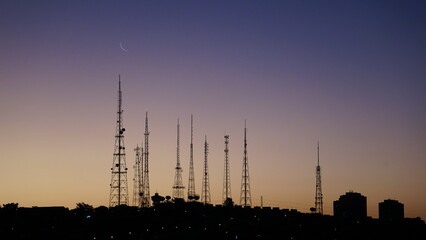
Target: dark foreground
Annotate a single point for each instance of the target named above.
(194, 221)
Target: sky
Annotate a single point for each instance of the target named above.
(349, 74)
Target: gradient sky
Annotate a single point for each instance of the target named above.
(350, 74)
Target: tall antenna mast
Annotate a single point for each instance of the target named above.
(178, 185)
(118, 192)
(191, 182)
(146, 199)
(141, 175)
(245, 196)
(137, 180)
(318, 190)
(205, 193)
(227, 199)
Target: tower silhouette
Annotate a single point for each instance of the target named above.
(118, 188)
(318, 190)
(191, 182)
(245, 196)
(146, 199)
(227, 199)
(205, 192)
(137, 180)
(178, 184)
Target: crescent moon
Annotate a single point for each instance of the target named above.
(122, 48)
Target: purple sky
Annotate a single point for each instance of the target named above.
(350, 74)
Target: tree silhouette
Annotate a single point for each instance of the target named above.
(84, 207)
(10, 206)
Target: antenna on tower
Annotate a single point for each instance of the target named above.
(245, 196)
(118, 187)
(146, 199)
(191, 182)
(136, 177)
(178, 184)
(318, 190)
(205, 193)
(227, 199)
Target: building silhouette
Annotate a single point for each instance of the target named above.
(352, 206)
(391, 210)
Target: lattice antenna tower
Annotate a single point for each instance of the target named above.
(318, 190)
(178, 187)
(245, 196)
(205, 193)
(227, 175)
(141, 175)
(137, 180)
(146, 199)
(118, 188)
(191, 182)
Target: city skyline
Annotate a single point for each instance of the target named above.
(349, 75)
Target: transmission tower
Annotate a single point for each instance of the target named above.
(146, 199)
(227, 199)
(178, 184)
(118, 192)
(245, 196)
(137, 180)
(318, 191)
(205, 193)
(191, 182)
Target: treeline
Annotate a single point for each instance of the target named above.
(192, 220)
